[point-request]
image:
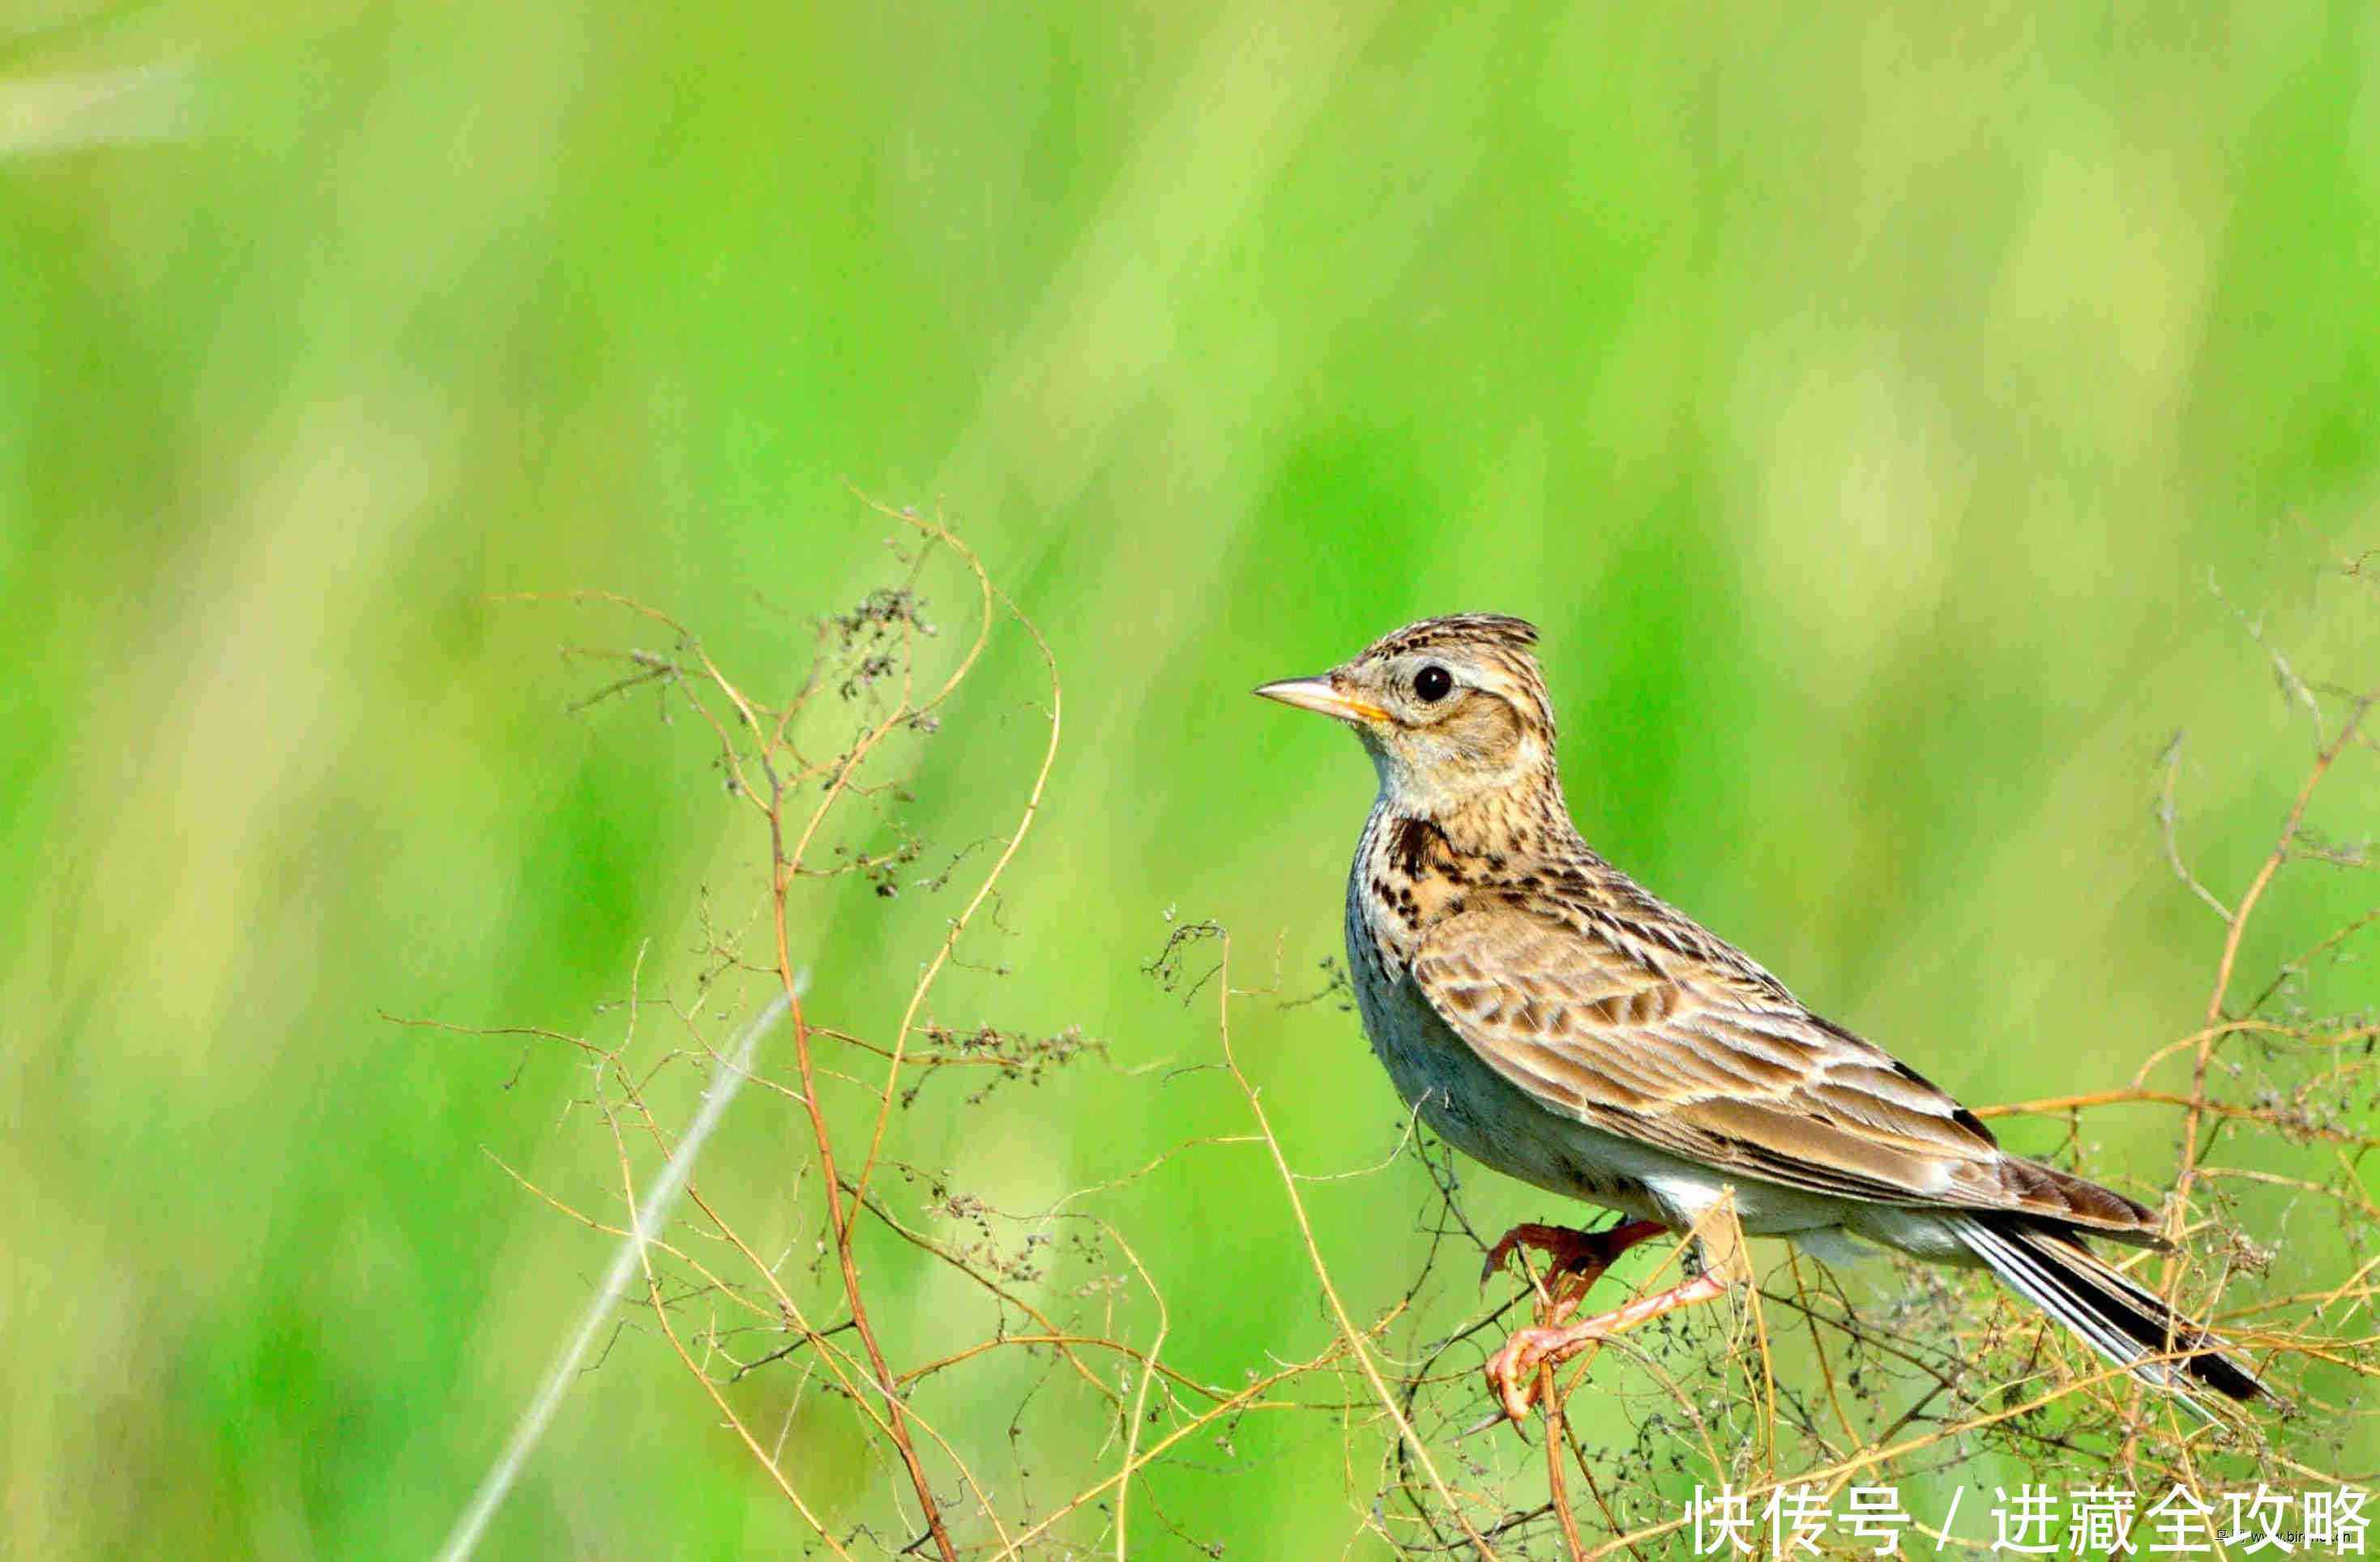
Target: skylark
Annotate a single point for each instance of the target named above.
(1549, 1017)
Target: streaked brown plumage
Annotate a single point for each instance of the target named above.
(1551, 1018)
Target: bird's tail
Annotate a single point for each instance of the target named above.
(2116, 1316)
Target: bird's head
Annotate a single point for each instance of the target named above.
(1453, 710)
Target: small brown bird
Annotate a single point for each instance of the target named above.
(1549, 1018)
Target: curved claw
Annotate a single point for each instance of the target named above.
(1513, 1392)
(1487, 1423)
(1512, 1370)
(1578, 1258)
(1569, 1249)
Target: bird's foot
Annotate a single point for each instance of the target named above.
(1579, 1257)
(1512, 1372)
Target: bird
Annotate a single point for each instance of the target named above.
(1551, 1019)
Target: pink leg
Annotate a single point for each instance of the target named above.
(1512, 1372)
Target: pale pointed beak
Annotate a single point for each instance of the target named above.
(1315, 694)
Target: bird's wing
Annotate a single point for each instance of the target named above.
(1659, 1033)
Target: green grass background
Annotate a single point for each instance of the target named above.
(1867, 403)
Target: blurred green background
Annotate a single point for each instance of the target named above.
(1868, 404)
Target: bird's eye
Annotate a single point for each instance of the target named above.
(1433, 684)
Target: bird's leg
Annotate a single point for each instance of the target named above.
(1579, 1257)
(1512, 1372)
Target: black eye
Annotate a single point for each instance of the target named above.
(1433, 684)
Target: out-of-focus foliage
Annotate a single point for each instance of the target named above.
(1897, 424)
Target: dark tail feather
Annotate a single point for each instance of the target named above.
(2117, 1317)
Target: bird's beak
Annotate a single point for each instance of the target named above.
(1315, 694)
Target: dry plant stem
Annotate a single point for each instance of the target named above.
(2198, 1105)
(1347, 1329)
(1097, 1342)
(1818, 1352)
(896, 1416)
(786, 1309)
(2237, 930)
(958, 923)
(1587, 1472)
(644, 1216)
(837, 1361)
(783, 865)
(660, 1310)
(1759, 1321)
(1552, 1308)
(1139, 1400)
(1557, 1490)
(840, 1217)
(1052, 1332)
(2169, 1284)
(1246, 1399)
